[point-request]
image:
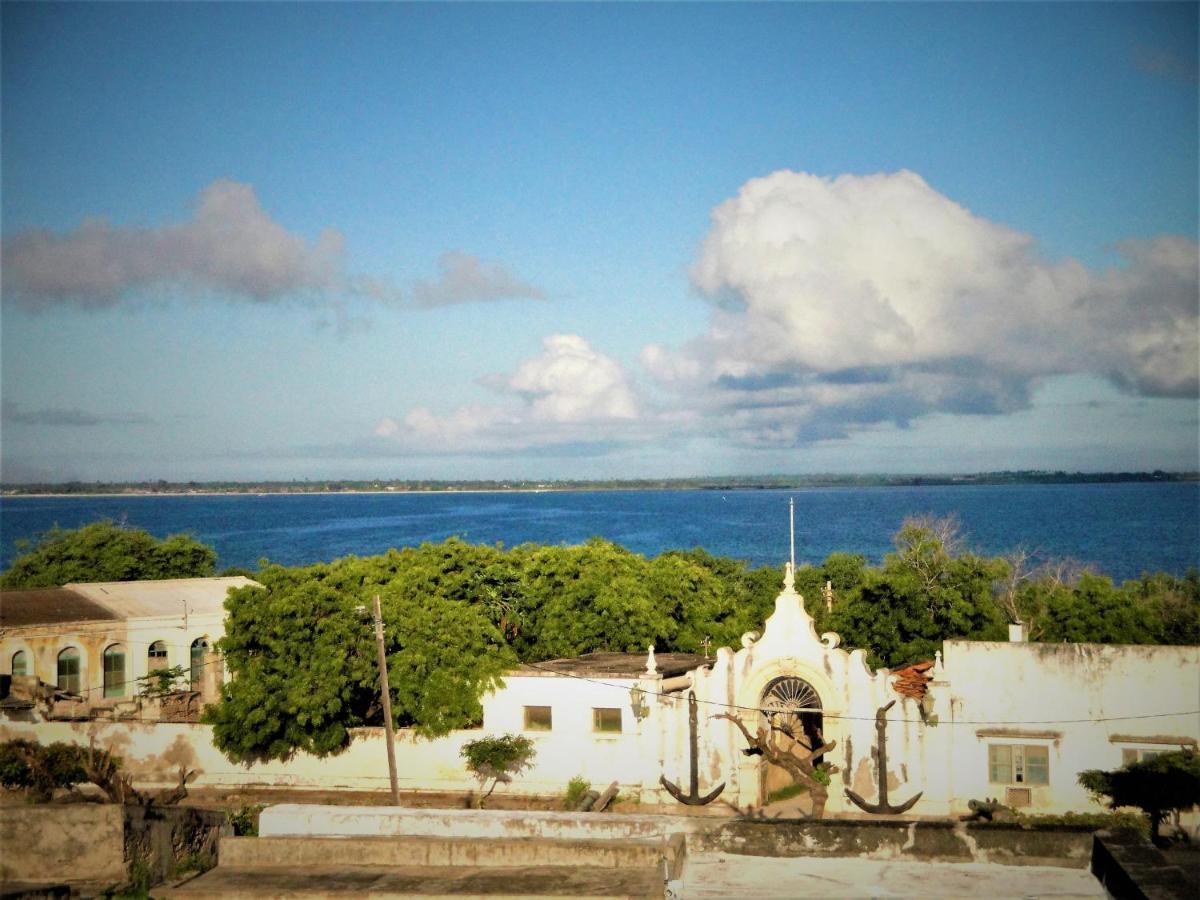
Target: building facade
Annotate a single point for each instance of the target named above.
(1012, 721)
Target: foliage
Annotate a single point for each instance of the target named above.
(787, 792)
(304, 662)
(244, 820)
(458, 615)
(160, 683)
(39, 769)
(1157, 786)
(576, 788)
(107, 551)
(497, 759)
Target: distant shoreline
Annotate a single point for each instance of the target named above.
(733, 483)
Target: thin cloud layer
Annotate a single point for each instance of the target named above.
(12, 413)
(231, 246)
(847, 302)
(570, 394)
(466, 279)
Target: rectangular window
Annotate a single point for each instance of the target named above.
(537, 718)
(1132, 755)
(606, 719)
(1018, 764)
(68, 674)
(114, 673)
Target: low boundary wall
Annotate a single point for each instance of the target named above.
(925, 841)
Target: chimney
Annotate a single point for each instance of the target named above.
(1018, 633)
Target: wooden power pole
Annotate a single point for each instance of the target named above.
(387, 704)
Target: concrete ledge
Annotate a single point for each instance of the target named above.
(1131, 867)
(308, 820)
(296, 852)
(885, 840)
(458, 882)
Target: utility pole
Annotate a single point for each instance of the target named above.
(387, 704)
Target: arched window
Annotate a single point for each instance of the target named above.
(68, 671)
(114, 671)
(199, 648)
(156, 656)
(20, 663)
(793, 708)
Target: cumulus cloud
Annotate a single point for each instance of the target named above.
(570, 394)
(465, 279)
(843, 302)
(231, 246)
(75, 418)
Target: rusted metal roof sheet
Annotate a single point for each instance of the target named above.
(50, 606)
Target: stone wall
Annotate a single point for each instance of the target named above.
(79, 842)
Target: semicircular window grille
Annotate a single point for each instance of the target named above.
(789, 694)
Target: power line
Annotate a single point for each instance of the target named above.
(755, 709)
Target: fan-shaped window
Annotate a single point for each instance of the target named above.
(20, 663)
(68, 671)
(793, 710)
(114, 671)
(199, 648)
(156, 656)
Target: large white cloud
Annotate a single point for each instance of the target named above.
(568, 394)
(843, 302)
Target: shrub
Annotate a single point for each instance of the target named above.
(576, 788)
(497, 759)
(1157, 786)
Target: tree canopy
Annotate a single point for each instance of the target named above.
(1157, 786)
(303, 658)
(106, 551)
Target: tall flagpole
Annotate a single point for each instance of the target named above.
(792, 528)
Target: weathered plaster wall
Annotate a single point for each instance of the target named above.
(76, 842)
(1083, 702)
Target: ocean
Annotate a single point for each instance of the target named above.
(1121, 529)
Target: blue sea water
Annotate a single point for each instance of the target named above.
(1123, 530)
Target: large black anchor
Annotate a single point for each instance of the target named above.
(693, 798)
(882, 807)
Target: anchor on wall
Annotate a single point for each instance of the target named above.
(693, 798)
(882, 807)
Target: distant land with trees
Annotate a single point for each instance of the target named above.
(707, 483)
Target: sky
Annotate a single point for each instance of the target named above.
(539, 241)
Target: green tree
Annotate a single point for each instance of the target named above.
(1157, 786)
(587, 598)
(39, 769)
(304, 661)
(106, 551)
(498, 760)
(924, 594)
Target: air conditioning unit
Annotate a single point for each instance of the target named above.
(1018, 798)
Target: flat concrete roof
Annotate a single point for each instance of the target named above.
(617, 665)
(50, 606)
(116, 601)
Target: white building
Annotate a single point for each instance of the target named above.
(1014, 721)
(94, 641)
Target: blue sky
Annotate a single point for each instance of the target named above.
(542, 240)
